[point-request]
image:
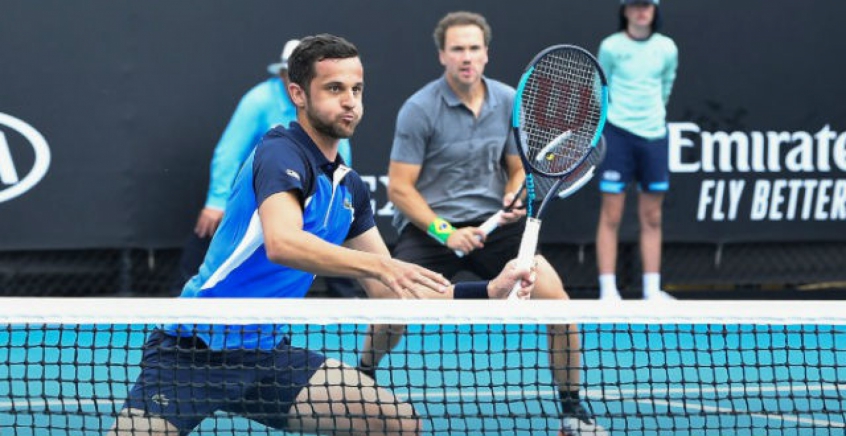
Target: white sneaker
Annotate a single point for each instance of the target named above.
(658, 295)
(580, 423)
(610, 296)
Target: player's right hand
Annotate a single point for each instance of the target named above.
(410, 281)
(511, 275)
(207, 222)
(513, 214)
(466, 239)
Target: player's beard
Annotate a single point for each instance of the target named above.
(334, 130)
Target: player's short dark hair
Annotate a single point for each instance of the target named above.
(461, 18)
(313, 49)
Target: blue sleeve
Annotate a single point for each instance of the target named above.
(279, 167)
(363, 219)
(243, 132)
(411, 136)
(345, 151)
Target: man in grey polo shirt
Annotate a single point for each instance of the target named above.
(454, 163)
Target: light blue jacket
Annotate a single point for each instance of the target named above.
(640, 78)
(260, 109)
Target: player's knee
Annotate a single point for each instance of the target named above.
(132, 422)
(409, 427)
(549, 285)
(610, 221)
(651, 219)
(405, 422)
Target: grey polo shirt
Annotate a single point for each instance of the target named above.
(463, 174)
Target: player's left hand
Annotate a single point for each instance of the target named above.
(512, 274)
(407, 280)
(513, 215)
(207, 222)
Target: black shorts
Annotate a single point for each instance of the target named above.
(415, 246)
(184, 382)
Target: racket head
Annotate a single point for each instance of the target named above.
(571, 182)
(568, 185)
(587, 167)
(559, 110)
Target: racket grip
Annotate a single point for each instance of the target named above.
(491, 223)
(528, 247)
(488, 226)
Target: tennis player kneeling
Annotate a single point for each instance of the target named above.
(184, 380)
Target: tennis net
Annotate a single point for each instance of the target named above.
(671, 368)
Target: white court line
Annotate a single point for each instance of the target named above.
(695, 389)
(767, 416)
(626, 395)
(438, 394)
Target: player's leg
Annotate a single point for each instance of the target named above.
(565, 351)
(607, 233)
(171, 395)
(616, 171)
(379, 341)
(414, 246)
(654, 177)
(649, 213)
(565, 357)
(340, 400)
(564, 347)
(134, 422)
(564, 342)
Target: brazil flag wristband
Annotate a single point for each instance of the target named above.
(440, 229)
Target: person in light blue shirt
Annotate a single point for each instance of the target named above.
(264, 106)
(296, 211)
(640, 64)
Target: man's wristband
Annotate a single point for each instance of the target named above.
(440, 229)
(470, 290)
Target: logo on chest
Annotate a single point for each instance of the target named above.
(349, 206)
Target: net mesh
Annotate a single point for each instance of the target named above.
(476, 368)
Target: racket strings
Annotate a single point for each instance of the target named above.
(561, 110)
(572, 181)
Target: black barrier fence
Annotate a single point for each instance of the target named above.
(690, 271)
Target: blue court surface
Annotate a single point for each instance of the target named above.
(640, 380)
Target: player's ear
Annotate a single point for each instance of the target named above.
(298, 95)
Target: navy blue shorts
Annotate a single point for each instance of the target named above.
(630, 157)
(184, 382)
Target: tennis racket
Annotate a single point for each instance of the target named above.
(558, 115)
(572, 183)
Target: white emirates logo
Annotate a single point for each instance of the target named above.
(11, 182)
